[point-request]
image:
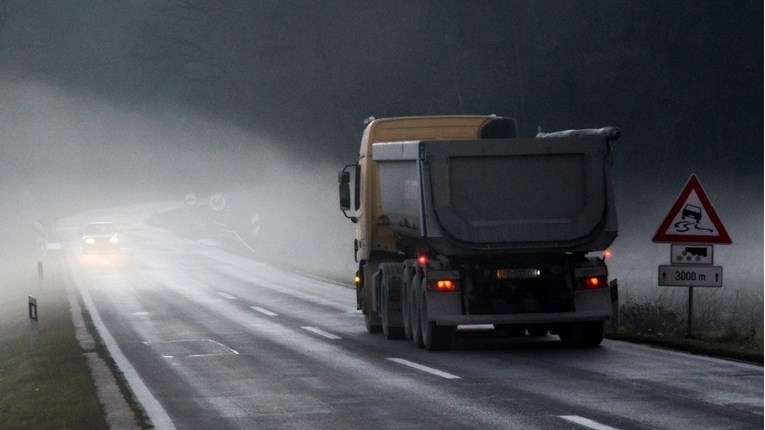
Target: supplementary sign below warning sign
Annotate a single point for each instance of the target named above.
(690, 276)
(692, 254)
(692, 219)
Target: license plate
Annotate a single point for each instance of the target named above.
(518, 273)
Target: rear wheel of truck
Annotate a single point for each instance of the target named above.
(406, 292)
(414, 310)
(586, 334)
(434, 337)
(390, 300)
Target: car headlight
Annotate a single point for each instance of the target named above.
(114, 240)
(89, 240)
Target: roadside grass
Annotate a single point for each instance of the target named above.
(45, 385)
(721, 328)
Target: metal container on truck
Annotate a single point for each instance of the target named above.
(460, 222)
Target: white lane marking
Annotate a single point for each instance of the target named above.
(226, 296)
(233, 351)
(263, 311)
(157, 414)
(321, 332)
(430, 370)
(238, 238)
(586, 422)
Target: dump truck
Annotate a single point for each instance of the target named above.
(460, 222)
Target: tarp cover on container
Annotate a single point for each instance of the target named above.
(523, 190)
(505, 193)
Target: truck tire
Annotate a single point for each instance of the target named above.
(390, 300)
(371, 317)
(406, 292)
(586, 334)
(414, 311)
(434, 337)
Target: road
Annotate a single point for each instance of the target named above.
(209, 339)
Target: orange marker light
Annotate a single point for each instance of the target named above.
(443, 285)
(607, 254)
(592, 282)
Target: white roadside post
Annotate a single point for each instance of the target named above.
(692, 227)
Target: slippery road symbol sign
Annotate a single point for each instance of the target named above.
(692, 219)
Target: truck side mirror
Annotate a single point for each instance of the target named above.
(344, 179)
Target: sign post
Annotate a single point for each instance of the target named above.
(692, 226)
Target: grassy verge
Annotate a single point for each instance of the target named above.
(715, 347)
(47, 385)
(713, 335)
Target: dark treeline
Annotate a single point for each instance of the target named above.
(683, 78)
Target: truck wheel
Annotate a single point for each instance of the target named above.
(371, 319)
(406, 292)
(586, 334)
(373, 323)
(414, 311)
(434, 337)
(390, 288)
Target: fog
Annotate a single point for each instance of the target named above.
(78, 152)
(109, 103)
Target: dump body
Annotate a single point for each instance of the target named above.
(459, 222)
(500, 195)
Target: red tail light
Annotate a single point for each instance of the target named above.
(422, 260)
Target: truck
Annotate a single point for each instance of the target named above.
(460, 222)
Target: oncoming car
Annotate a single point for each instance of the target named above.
(100, 237)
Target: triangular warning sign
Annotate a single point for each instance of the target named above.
(692, 219)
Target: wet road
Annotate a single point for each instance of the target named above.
(209, 339)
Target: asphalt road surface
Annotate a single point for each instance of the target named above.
(208, 339)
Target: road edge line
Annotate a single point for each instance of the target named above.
(157, 414)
